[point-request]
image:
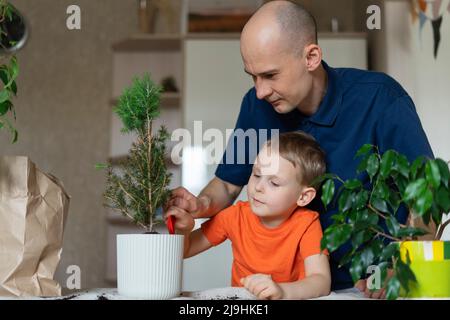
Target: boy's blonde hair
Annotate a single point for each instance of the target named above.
(305, 154)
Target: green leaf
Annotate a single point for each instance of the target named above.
(352, 184)
(346, 258)
(423, 202)
(358, 238)
(416, 166)
(356, 268)
(392, 225)
(338, 218)
(383, 271)
(414, 189)
(394, 201)
(372, 165)
(443, 198)
(411, 232)
(14, 68)
(101, 166)
(365, 219)
(4, 76)
(327, 192)
(15, 136)
(362, 166)
(391, 250)
(381, 190)
(365, 149)
(436, 213)
(14, 88)
(387, 163)
(401, 183)
(432, 173)
(367, 257)
(393, 288)
(444, 171)
(4, 95)
(318, 181)
(377, 246)
(380, 205)
(404, 273)
(346, 199)
(426, 219)
(336, 235)
(361, 237)
(402, 165)
(361, 199)
(5, 107)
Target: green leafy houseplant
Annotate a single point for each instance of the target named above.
(9, 71)
(138, 186)
(422, 186)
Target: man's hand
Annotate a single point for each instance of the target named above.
(184, 222)
(377, 294)
(262, 286)
(186, 201)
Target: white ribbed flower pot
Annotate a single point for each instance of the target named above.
(149, 266)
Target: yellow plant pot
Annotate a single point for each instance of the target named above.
(430, 262)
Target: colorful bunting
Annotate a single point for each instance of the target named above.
(434, 14)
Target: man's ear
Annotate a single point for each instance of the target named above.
(313, 54)
(306, 196)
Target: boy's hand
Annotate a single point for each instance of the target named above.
(184, 222)
(262, 286)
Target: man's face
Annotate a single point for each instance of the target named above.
(273, 194)
(280, 75)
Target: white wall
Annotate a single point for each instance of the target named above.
(410, 61)
(215, 83)
(344, 51)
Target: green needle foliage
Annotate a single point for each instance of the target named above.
(139, 185)
(9, 71)
(422, 186)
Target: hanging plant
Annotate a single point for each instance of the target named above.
(9, 70)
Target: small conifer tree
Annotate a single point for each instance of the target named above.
(138, 186)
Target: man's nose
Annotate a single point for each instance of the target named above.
(262, 89)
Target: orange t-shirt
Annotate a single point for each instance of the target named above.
(279, 251)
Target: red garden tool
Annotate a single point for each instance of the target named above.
(171, 224)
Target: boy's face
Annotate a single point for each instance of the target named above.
(274, 194)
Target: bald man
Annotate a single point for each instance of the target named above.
(295, 90)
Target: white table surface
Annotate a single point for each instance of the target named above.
(226, 293)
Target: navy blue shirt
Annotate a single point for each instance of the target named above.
(359, 107)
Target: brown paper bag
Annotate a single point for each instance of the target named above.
(33, 211)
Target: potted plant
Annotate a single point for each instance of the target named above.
(366, 217)
(149, 265)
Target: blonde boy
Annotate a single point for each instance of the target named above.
(275, 239)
